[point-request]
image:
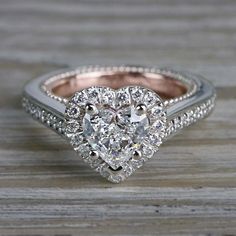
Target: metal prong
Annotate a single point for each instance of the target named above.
(137, 155)
(141, 109)
(118, 169)
(90, 109)
(93, 154)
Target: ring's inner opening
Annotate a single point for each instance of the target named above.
(166, 87)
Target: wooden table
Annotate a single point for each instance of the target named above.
(189, 188)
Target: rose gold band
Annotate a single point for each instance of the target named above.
(165, 86)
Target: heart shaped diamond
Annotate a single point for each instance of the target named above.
(115, 131)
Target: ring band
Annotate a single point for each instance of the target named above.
(116, 117)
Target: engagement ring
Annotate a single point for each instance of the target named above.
(117, 117)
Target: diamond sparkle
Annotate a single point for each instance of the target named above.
(119, 123)
(70, 126)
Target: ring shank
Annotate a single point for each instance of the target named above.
(165, 86)
(187, 97)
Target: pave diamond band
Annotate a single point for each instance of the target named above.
(116, 118)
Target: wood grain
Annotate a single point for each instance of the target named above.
(189, 188)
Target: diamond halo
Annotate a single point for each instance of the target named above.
(115, 131)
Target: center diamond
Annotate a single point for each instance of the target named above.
(115, 134)
(118, 127)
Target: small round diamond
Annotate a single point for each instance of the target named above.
(156, 110)
(150, 99)
(84, 150)
(122, 97)
(158, 125)
(147, 151)
(107, 97)
(136, 94)
(154, 139)
(93, 94)
(72, 127)
(73, 111)
(80, 98)
(116, 178)
(76, 140)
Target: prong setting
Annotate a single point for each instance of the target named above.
(94, 154)
(90, 109)
(140, 109)
(136, 155)
(105, 97)
(115, 128)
